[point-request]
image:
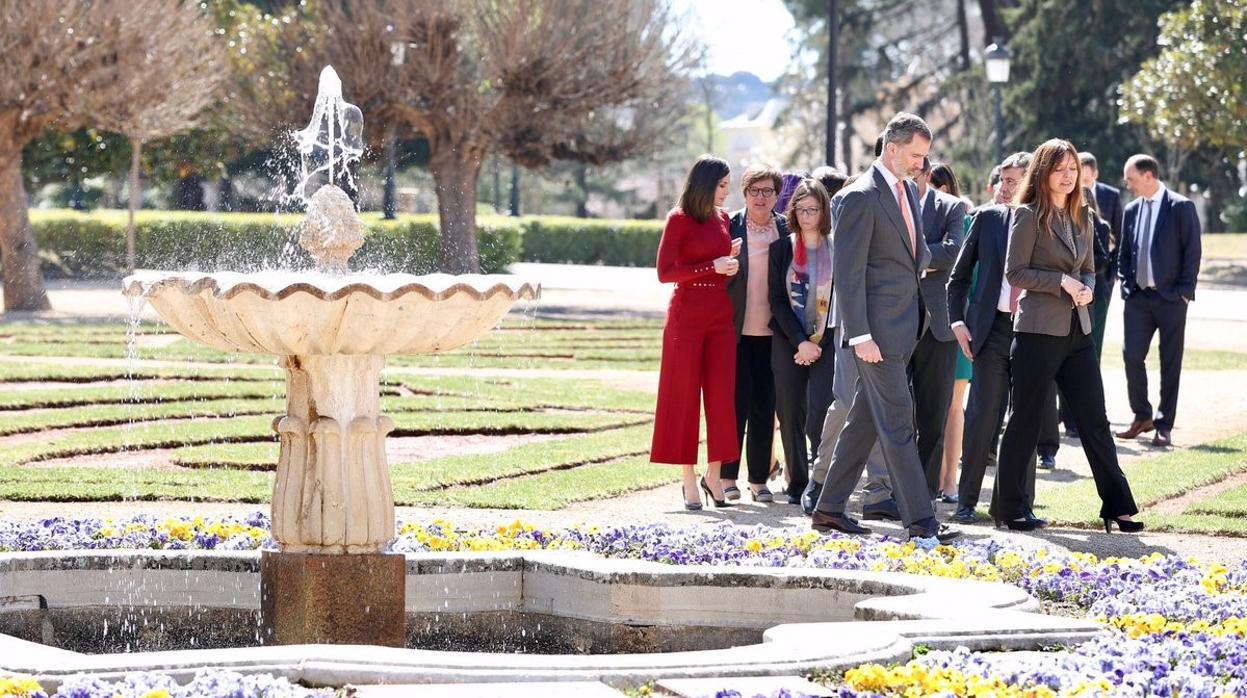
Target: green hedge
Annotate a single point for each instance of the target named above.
(591, 241)
(92, 245)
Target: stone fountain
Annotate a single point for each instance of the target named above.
(333, 508)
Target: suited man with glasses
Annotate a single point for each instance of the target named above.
(1158, 264)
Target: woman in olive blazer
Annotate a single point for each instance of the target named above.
(1051, 263)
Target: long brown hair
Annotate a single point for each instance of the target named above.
(1034, 192)
(810, 188)
(697, 199)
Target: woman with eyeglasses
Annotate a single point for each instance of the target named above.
(800, 283)
(698, 347)
(756, 226)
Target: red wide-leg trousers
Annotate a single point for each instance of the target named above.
(698, 362)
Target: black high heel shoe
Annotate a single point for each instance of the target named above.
(1125, 525)
(718, 503)
(690, 506)
(1026, 524)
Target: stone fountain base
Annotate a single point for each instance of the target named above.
(356, 599)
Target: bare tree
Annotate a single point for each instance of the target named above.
(170, 79)
(62, 65)
(534, 80)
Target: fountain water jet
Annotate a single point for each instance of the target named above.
(333, 508)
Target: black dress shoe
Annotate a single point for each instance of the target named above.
(809, 498)
(793, 498)
(838, 522)
(1162, 438)
(943, 534)
(964, 515)
(1071, 432)
(1038, 522)
(1047, 462)
(879, 511)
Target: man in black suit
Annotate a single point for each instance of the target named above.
(878, 264)
(1108, 200)
(983, 327)
(933, 366)
(1158, 264)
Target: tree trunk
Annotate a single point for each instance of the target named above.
(136, 155)
(582, 191)
(454, 178)
(19, 253)
(963, 33)
(994, 28)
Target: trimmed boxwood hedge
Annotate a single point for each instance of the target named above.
(92, 245)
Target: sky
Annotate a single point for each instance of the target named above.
(741, 34)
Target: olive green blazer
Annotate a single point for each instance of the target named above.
(1035, 262)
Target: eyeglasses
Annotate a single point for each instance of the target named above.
(812, 211)
(764, 193)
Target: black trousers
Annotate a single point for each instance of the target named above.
(755, 409)
(1037, 360)
(1146, 312)
(985, 411)
(802, 396)
(932, 372)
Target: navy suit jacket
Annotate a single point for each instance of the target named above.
(986, 246)
(1108, 199)
(1175, 252)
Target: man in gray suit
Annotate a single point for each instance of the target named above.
(877, 268)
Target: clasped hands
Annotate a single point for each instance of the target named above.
(807, 353)
(728, 265)
(1081, 293)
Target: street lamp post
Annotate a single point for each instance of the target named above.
(997, 60)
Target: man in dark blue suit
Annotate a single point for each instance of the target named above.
(1108, 200)
(1158, 264)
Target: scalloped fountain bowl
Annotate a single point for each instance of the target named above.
(316, 313)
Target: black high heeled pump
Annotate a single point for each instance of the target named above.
(718, 503)
(1125, 525)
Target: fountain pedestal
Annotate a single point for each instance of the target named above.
(348, 599)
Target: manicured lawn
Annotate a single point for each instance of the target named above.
(1224, 246)
(1162, 477)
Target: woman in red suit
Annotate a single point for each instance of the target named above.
(699, 340)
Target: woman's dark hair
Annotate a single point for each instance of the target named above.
(942, 176)
(832, 179)
(697, 199)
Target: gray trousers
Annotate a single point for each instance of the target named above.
(878, 487)
(882, 415)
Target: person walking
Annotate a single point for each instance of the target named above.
(756, 226)
(1158, 266)
(1050, 258)
(934, 364)
(699, 344)
(1108, 203)
(944, 180)
(877, 268)
(802, 358)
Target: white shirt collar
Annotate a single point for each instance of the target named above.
(887, 174)
(1157, 195)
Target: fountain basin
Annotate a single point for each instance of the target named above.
(805, 619)
(316, 313)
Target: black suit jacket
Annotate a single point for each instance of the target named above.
(737, 285)
(1175, 252)
(943, 226)
(986, 245)
(783, 321)
(1108, 199)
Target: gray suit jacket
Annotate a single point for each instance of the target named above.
(1035, 263)
(877, 288)
(943, 226)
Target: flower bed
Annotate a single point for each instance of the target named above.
(1180, 628)
(208, 683)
